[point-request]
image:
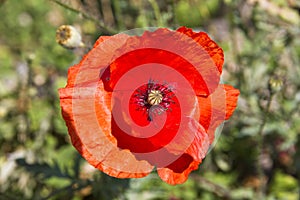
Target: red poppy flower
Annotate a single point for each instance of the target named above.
(138, 102)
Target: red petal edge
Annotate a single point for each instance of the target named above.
(217, 108)
(215, 52)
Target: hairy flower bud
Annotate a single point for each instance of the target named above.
(275, 84)
(68, 37)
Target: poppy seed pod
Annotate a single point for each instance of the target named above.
(68, 37)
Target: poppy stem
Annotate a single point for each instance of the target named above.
(174, 17)
(260, 170)
(118, 12)
(74, 186)
(157, 13)
(106, 29)
(213, 187)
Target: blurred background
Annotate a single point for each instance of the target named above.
(257, 155)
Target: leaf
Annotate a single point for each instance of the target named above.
(44, 170)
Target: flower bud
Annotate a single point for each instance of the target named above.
(68, 37)
(275, 84)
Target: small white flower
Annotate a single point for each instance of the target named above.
(69, 37)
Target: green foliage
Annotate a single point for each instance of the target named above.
(260, 142)
(284, 186)
(195, 13)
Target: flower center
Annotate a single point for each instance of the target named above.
(155, 97)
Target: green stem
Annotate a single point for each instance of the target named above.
(118, 14)
(175, 21)
(106, 29)
(157, 13)
(262, 188)
(213, 187)
(70, 188)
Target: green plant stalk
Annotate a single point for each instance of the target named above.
(213, 187)
(157, 13)
(175, 21)
(262, 188)
(118, 14)
(106, 29)
(75, 186)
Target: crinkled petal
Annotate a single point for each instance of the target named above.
(213, 110)
(200, 145)
(93, 65)
(94, 141)
(86, 108)
(178, 171)
(172, 49)
(217, 108)
(215, 52)
(73, 71)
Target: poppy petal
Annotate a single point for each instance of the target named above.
(89, 128)
(94, 64)
(178, 171)
(130, 126)
(215, 52)
(92, 141)
(73, 71)
(200, 145)
(172, 49)
(191, 138)
(217, 108)
(143, 139)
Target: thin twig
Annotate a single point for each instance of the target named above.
(106, 29)
(262, 188)
(157, 13)
(213, 187)
(174, 17)
(118, 13)
(72, 187)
